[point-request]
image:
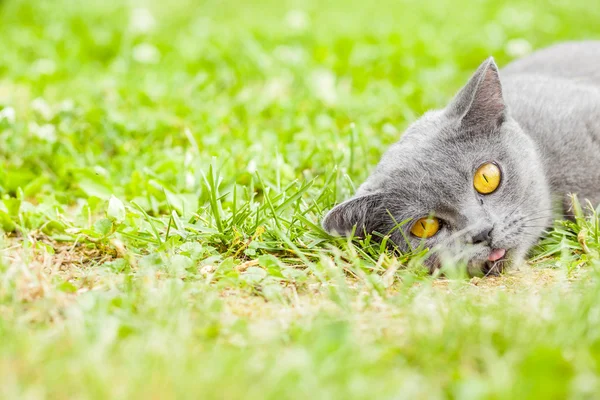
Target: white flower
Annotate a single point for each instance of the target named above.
(146, 53)
(518, 47)
(298, 20)
(98, 170)
(141, 20)
(251, 168)
(188, 158)
(389, 129)
(45, 132)
(44, 66)
(190, 180)
(275, 88)
(42, 108)
(323, 85)
(67, 105)
(292, 55)
(8, 114)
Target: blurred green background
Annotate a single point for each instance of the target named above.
(118, 82)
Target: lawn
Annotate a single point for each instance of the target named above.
(164, 169)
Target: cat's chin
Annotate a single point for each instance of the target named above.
(493, 268)
(483, 268)
(511, 258)
(479, 260)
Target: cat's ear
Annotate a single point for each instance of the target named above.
(361, 212)
(480, 101)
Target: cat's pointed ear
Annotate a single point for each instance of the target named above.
(480, 101)
(363, 212)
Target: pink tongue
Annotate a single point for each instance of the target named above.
(496, 254)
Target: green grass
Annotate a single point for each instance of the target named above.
(164, 169)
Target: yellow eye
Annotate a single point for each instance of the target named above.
(425, 227)
(487, 178)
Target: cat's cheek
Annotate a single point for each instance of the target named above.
(432, 261)
(430, 244)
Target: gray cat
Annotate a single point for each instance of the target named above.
(480, 180)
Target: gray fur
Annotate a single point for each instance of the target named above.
(538, 119)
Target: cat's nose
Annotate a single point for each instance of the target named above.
(484, 236)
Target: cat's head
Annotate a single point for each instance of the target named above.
(467, 179)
